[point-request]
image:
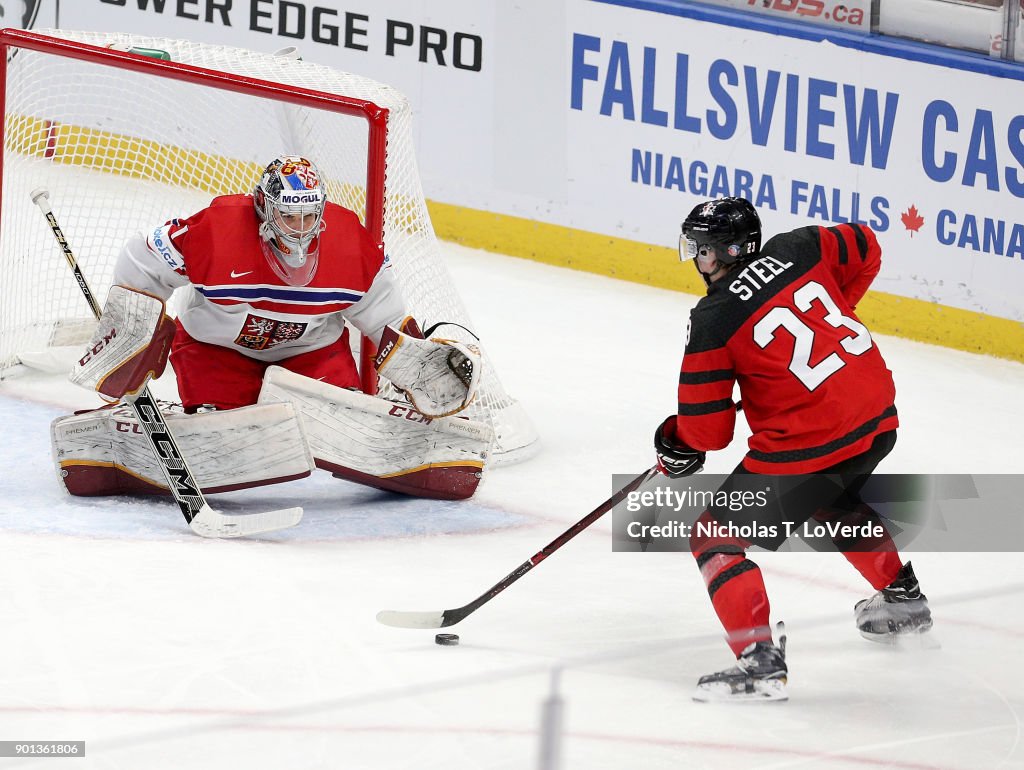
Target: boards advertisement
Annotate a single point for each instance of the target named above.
(600, 118)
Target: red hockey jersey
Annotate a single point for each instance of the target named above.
(237, 301)
(814, 386)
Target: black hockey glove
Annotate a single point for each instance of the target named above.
(675, 459)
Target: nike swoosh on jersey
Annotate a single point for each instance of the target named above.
(239, 275)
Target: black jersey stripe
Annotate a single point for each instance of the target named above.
(796, 455)
(705, 407)
(844, 255)
(703, 378)
(735, 571)
(718, 550)
(862, 242)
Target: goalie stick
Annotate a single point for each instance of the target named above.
(446, 618)
(181, 482)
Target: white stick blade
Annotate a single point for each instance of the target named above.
(210, 523)
(411, 619)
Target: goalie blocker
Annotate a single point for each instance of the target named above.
(370, 441)
(129, 347)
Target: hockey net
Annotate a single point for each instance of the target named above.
(124, 142)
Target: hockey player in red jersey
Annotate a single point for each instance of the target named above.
(273, 279)
(779, 321)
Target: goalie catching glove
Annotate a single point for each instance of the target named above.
(439, 377)
(129, 347)
(675, 458)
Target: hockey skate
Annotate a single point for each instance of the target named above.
(759, 675)
(898, 610)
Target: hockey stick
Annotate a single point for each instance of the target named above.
(447, 618)
(181, 482)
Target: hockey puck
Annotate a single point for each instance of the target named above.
(447, 640)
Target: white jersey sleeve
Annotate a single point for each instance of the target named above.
(381, 306)
(151, 264)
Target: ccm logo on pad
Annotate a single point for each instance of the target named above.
(384, 353)
(409, 413)
(95, 350)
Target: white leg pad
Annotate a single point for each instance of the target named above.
(105, 452)
(382, 443)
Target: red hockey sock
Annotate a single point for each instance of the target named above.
(878, 567)
(739, 597)
(874, 555)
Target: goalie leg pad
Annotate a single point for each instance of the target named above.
(384, 444)
(105, 452)
(128, 348)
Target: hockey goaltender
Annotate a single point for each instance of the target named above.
(267, 380)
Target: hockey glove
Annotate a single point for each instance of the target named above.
(129, 347)
(439, 377)
(675, 459)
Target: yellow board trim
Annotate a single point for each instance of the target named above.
(659, 266)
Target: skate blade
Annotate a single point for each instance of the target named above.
(763, 691)
(918, 639)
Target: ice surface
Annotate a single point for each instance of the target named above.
(164, 650)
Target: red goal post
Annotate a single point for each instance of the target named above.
(127, 141)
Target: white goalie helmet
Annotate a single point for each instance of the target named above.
(290, 200)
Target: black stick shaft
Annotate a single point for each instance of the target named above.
(179, 477)
(454, 616)
(69, 255)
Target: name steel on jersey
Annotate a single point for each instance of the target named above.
(756, 275)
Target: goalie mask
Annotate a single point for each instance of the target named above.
(720, 233)
(290, 200)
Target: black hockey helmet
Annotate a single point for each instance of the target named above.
(730, 226)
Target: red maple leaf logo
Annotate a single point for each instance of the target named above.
(912, 220)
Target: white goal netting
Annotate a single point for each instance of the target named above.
(121, 151)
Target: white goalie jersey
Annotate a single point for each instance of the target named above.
(238, 302)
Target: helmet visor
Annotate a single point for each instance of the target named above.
(688, 248)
